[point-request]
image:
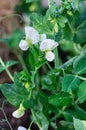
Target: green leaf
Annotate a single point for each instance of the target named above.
(11, 63)
(17, 93)
(52, 11)
(82, 5)
(65, 128)
(1, 68)
(14, 39)
(82, 92)
(75, 4)
(80, 36)
(14, 94)
(42, 120)
(79, 65)
(7, 65)
(79, 124)
(31, 59)
(81, 19)
(43, 98)
(67, 125)
(41, 24)
(49, 81)
(68, 63)
(75, 112)
(40, 63)
(60, 99)
(24, 76)
(70, 82)
(29, 103)
(80, 29)
(30, 1)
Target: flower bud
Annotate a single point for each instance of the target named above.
(21, 128)
(23, 45)
(19, 112)
(56, 27)
(50, 56)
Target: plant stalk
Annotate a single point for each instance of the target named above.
(82, 78)
(56, 57)
(6, 69)
(35, 119)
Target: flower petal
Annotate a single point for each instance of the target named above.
(21, 128)
(50, 56)
(23, 45)
(32, 34)
(42, 37)
(18, 114)
(48, 45)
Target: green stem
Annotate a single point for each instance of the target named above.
(35, 119)
(6, 69)
(49, 66)
(84, 47)
(6, 116)
(33, 74)
(77, 48)
(30, 125)
(56, 57)
(82, 78)
(55, 117)
(72, 29)
(80, 98)
(22, 62)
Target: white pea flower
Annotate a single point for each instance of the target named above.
(21, 128)
(42, 37)
(23, 45)
(19, 112)
(50, 56)
(47, 46)
(31, 35)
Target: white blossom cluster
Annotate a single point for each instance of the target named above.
(33, 37)
(46, 45)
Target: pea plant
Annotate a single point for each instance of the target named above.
(52, 82)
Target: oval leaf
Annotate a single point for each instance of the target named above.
(70, 82)
(80, 64)
(60, 100)
(82, 92)
(79, 124)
